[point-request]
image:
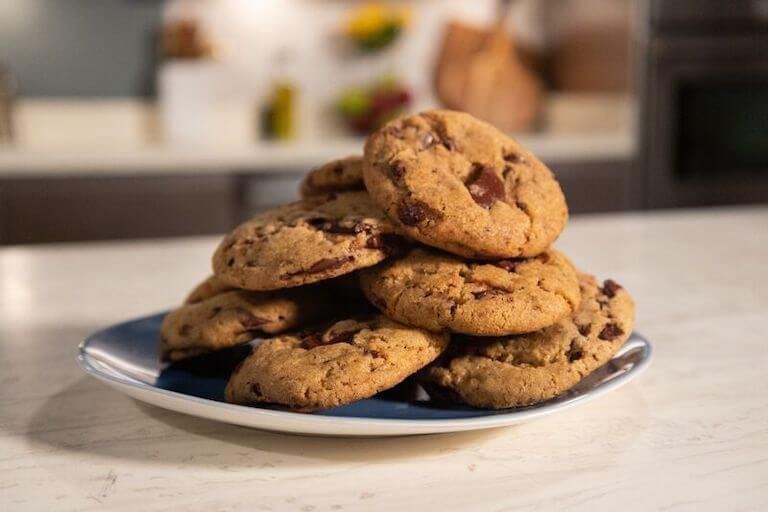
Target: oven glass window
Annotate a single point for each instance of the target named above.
(723, 130)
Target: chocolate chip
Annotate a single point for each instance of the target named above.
(378, 302)
(334, 226)
(427, 140)
(543, 257)
(449, 143)
(311, 340)
(374, 242)
(585, 329)
(485, 186)
(395, 130)
(396, 169)
(610, 287)
(249, 321)
(255, 389)
(329, 264)
(508, 265)
(575, 353)
(514, 158)
(412, 212)
(389, 243)
(343, 337)
(610, 332)
(230, 262)
(314, 339)
(523, 206)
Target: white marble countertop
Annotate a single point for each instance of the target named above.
(690, 434)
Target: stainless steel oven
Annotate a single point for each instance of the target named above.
(704, 103)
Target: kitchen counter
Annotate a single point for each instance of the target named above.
(265, 157)
(102, 138)
(689, 434)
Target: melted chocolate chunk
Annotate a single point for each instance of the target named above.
(334, 226)
(575, 353)
(329, 264)
(412, 212)
(395, 130)
(610, 287)
(396, 170)
(389, 243)
(378, 302)
(314, 339)
(485, 186)
(514, 158)
(610, 332)
(584, 330)
(343, 337)
(250, 322)
(311, 340)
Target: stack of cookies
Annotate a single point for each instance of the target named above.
(430, 257)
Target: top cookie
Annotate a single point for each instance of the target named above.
(305, 242)
(342, 175)
(529, 368)
(457, 183)
(437, 291)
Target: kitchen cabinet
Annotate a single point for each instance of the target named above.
(91, 208)
(146, 205)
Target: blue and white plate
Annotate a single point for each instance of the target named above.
(125, 357)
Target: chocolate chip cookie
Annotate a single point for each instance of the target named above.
(304, 242)
(342, 175)
(521, 370)
(438, 291)
(347, 361)
(207, 289)
(227, 318)
(457, 183)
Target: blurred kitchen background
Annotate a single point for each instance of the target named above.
(150, 118)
